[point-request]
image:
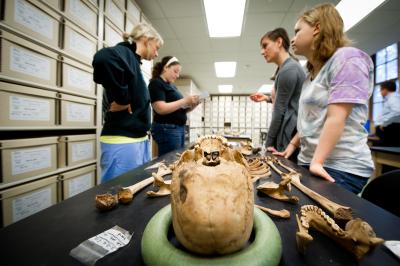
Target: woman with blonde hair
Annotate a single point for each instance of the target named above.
(333, 105)
(126, 100)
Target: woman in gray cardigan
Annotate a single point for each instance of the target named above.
(288, 83)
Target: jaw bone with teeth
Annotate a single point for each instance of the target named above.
(358, 237)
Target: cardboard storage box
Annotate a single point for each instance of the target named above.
(23, 158)
(26, 61)
(130, 24)
(112, 35)
(77, 77)
(23, 106)
(77, 181)
(56, 4)
(77, 111)
(79, 44)
(22, 201)
(77, 149)
(114, 10)
(133, 11)
(34, 19)
(82, 13)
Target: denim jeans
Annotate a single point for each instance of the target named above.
(168, 137)
(117, 159)
(350, 182)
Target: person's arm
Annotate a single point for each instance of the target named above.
(285, 88)
(112, 73)
(164, 108)
(260, 97)
(291, 147)
(332, 130)
(192, 107)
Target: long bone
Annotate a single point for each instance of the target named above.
(281, 214)
(338, 211)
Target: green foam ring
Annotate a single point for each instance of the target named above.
(265, 250)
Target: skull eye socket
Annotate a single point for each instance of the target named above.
(215, 155)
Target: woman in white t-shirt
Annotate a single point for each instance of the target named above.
(333, 105)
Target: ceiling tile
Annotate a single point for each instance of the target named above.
(377, 22)
(170, 46)
(300, 6)
(259, 24)
(182, 8)
(197, 45)
(201, 57)
(164, 28)
(151, 9)
(225, 44)
(190, 27)
(183, 25)
(263, 6)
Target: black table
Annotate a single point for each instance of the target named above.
(47, 237)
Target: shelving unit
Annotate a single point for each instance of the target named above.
(47, 92)
(239, 114)
(195, 123)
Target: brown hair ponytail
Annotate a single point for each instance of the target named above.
(159, 66)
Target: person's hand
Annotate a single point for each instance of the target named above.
(287, 152)
(192, 100)
(272, 149)
(318, 170)
(115, 107)
(259, 97)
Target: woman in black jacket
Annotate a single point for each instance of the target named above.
(126, 100)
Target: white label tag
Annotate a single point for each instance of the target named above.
(110, 240)
(33, 18)
(31, 203)
(79, 79)
(82, 13)
(95, 248)
(393, 246)
(78, 112)
(28, 160)
(80, 184)
(28, 63)
(22, 108)
(82, 151)
(81, 45)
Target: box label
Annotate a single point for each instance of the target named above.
(78, 112)
(28, 63)
(82, 151)
(80, 184)
(27, 160)
(79, 79)
(33, 18)
(31, 203)
(32, 109)
(81, 45)
(82, 13)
